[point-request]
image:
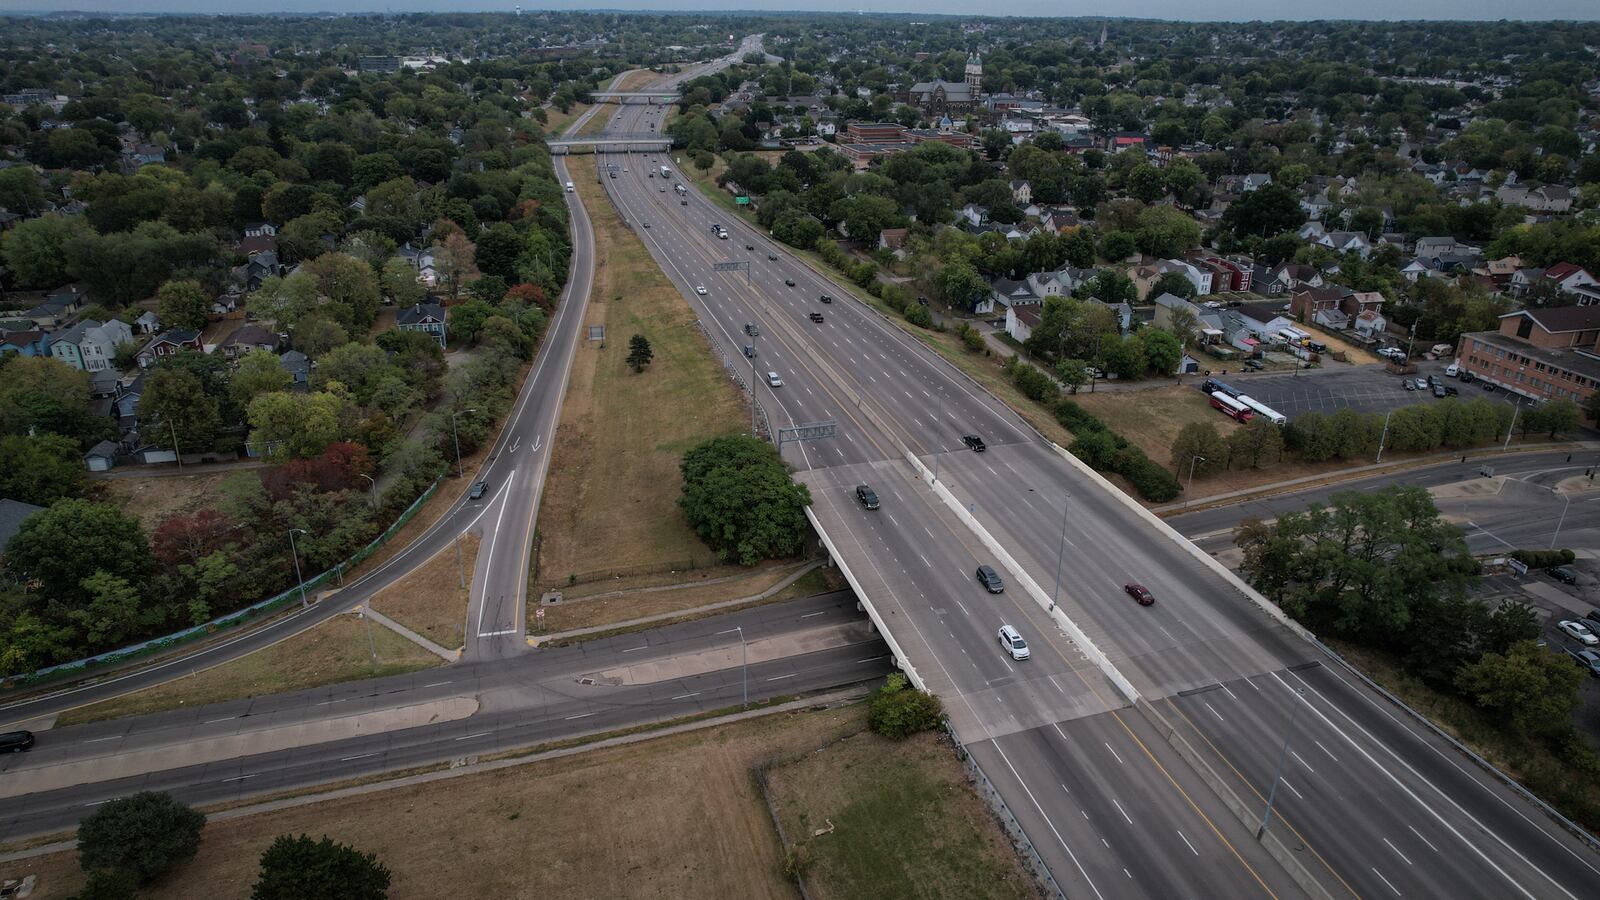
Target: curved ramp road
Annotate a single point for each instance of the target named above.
(1389, 810)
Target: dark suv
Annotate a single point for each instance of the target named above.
(990, 579)
(975, 442)
(1563, 574)
(16, 741)
(868, 498)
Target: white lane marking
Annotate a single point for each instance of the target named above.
(963, 608)
(1423, 839)
(515, 444)
(1059, 838)
(1114, 753)
(729, 631)
(782, 677)
(435, 683)
(215, 721)
(98, 740)
(1325, 750)
(98, 802)
(1291, 787)
(362, 756)
(818, 613)
(1214, 712)
(873, 658)
(1386, 881)
(1187, 844)
(640, 647)
(687, 696)
(237, 778)
(1121, 810)
(497, 633)
(1296, 755)
(468, 737)
(1397, 851)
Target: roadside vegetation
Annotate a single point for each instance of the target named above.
(1382, 573)
(741, 500)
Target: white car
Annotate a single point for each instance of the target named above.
(700, 289)
(774, 380)
(1579, 632)
(1013, 642)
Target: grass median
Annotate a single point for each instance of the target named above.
(610, 505)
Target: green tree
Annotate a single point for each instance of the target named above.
(1529, 688)
(1553, 416)
(1165, 232)
(1123, 357)
(293, 868)
(142, 836)
(40, 469)
(1145, 183)
(177, 408)
(897, 711)
(35, 251)
(71, 540)
(639, 352)
(348, 288)
(400, 283)
(316, 334)
(1162, 351)
(1264, 212)
(284, 424)
(498, 248)
(1199, 439)
(258, 372)
(738, 496)
(1256, 446)
(1175, 283)
(1074, 373)
(183, 304)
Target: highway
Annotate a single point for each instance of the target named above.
(228, 751)
(514, 469)
(1103, 802)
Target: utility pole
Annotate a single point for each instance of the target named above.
(744, 664)
(1383, 436)
(295, 555)
(460, 472)
(1266, 818)
(1566, 502)
(1512, 428)
(1192, 461)
(176, 453)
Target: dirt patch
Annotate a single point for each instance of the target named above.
(431, 600)
(610, 505)
(613, 608)
(156, 499)
(678, 816)
(335, 651)
(897, 820)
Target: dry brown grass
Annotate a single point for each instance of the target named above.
(635, 604)
(611, 501)
(335, 651)
(678, 816)
(160, 497)
(430, 600)
(900, 821)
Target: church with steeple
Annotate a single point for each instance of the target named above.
(949, 98)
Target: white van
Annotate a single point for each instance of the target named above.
(1453, 370)
(570, 188)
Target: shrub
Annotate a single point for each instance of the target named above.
(142, 836)
(295, 867)
(971, 338)
(918, 315)
(738, 496)
(1076, 419)
(1033, 383)
(898, 711)
(1543, 559)
(1152, 481)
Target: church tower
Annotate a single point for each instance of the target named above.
(974, 77)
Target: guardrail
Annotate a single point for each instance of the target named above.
(1008, 822)
(223, 622)
(900, 658)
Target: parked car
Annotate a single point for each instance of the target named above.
(1586, 658)
(1488, 386)
(1419, 384)
(1579, 632)
(1140, 593)
(866, 496)
(975, 442)
(990, 579)
(1254, 365)
(1438, 390)
(16, 741)
(478, 490)
(1450, 391)
(1410, 385)
(1013, 642)
(774, 380)
(1467, 377)
(1563, 574)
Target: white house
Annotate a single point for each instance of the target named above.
(1200, 278)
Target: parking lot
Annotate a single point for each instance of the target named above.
(1553, 602)
(1361, 388)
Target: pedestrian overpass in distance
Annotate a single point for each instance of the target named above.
(606, 141)
(652, 98)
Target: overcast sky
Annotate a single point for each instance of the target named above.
(1205, 10)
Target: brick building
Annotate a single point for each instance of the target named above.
(1539, 353)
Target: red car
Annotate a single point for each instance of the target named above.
(1139, 593)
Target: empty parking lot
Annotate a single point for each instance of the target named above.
(1364, 389)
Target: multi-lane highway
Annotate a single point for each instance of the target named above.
(227, 751)
(1377, 807)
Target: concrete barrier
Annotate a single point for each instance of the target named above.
(900, 658)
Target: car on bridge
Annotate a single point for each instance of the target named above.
(866, 496)
(1579, 632)
(990, 579)
(974, 442)
(1140, 593)
(1013, 642)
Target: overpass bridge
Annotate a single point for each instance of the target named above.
(649, 97)
(612, 140)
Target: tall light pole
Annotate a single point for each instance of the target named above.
(753, 432)
(460, 472)
(1192, 461)
(1266, 818)
(295, 555)
(1512, 428)
(1383, 436)
(1566, 502)
(744, 665)
(1061, 550)
(374, 490)
(176, 453)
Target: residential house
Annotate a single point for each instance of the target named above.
(12, 514)
(101, 457)
(1021, 320)
(893, 240)
(1569, 276)
(126, 402)
(427, 317)
(1551, 198)
(1414, 269)
(58, 307)
(1021, 192)
(1200, 277)
(1226, 274)
(1540, 353)
(1285, 278)
(256, 243)
(27, 342)
(973, 214)
(1255, 181)
(1430, 248)
(1368, 319)
(1346, 242)
(147, 323)
(90, 346)
(246, 338)
(257, 229)
(1005, 292)
(168, 343)
(1323, 306)
(299, 368)
(1263, 320)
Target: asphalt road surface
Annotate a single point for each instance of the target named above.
(230, 751)
(1367, 388)
(1032, 721)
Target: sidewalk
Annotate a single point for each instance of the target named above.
(537, 640)
(408, 634)
(1277, 487)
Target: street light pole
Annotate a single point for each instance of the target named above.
(1061, 549)
(176, 453)
(1266, 818)
(1191, 470)
(460, 472)
(744, 665)
(1383, 436)
(374, 490)
(1512, 428)
(753, 432)
(1566, 502)
(295, 555)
